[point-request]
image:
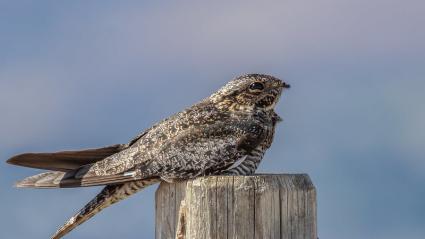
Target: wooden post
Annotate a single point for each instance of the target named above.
(259, 206)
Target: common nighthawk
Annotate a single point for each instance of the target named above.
(226, 133)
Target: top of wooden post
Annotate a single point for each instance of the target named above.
(256, 206)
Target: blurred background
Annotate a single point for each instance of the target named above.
(80, 74)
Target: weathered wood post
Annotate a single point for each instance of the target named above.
(259, 206)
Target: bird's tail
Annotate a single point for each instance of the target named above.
(108, 196)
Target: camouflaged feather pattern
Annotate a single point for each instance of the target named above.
(226, 133)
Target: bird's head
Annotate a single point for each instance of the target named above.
(250, 92)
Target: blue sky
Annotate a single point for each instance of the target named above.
(80, 74)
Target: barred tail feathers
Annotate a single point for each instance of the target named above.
(108, 196)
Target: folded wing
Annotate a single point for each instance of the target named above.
(206, 150)
(65, 160)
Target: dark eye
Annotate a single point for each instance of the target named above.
(256, 86)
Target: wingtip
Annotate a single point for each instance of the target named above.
(11, 161)
(15, 160)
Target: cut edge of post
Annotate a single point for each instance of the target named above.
(176, 206)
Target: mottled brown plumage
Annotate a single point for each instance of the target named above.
(226, 133)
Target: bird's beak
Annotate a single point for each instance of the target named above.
(285, 85)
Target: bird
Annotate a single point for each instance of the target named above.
(226, 133)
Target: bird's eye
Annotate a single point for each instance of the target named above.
(257, 86)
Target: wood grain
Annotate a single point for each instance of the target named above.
(259, 206)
